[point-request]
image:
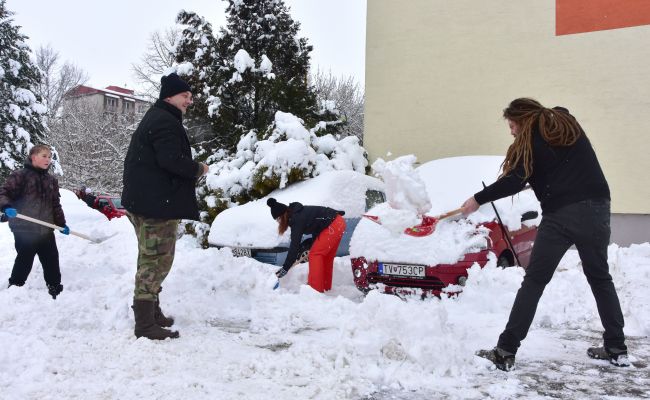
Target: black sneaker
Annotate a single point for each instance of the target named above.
(54, 290)
(503, 360)
(615, 356)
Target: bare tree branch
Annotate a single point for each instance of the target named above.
(348, 96)
(92, 146)
(57, 79)
(158, 57)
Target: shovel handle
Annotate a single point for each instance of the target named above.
(58, 228)
(450, 213)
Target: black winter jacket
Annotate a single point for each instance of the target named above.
(306, 220)
(159, 173)
(561, 175)
(34, 193)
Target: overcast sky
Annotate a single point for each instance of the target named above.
(105, 37)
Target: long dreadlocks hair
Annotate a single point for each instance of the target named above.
(558, 128)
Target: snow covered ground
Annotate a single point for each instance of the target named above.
(242, 340)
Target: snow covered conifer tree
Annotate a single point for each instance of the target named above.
(195, 52)
(21, 111)
(252, 85)
(257, 66)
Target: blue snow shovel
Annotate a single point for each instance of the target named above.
(304, 256)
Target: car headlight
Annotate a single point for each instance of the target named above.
(462, 280)
(357, 273)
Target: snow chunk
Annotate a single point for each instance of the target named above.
(243, 61)
(405, 190)
(265, 65)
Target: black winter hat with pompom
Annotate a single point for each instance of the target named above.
(277, 208)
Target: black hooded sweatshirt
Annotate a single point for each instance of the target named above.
(561, 175)
(306, 220)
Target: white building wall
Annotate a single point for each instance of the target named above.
(439, 73)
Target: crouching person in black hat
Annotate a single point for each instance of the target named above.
(159, 183)
(326, 226)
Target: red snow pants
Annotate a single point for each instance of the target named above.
(322, 253)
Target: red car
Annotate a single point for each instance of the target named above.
(397, 264)
(110, 206)
(408, 279)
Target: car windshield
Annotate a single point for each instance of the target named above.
(117, 202)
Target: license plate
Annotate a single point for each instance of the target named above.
(240, 252)
(402, 270)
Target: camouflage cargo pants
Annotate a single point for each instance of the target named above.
(156, 247)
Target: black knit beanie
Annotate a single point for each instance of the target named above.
(171, 85)
(277, 208)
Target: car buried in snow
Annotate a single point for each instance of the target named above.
(250, 231)
(110, 206)
(402, 264)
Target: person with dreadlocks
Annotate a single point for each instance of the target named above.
(552, 153)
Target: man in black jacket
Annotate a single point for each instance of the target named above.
(159, 190)
(553, 154)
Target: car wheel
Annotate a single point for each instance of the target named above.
(504, 261)
(364, 290)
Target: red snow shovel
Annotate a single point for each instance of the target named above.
(424, 228)
(59, 228)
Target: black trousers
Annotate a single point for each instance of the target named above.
(587, 225)
(30, 244)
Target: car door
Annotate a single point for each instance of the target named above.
(373, 197)
(523, 239)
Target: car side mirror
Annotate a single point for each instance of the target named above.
(528, 215)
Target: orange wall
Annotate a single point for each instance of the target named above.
(577, 16)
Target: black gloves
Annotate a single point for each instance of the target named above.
(281, 272)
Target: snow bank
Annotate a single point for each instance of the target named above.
(289, 147)
(239, 339)
(251, 224)
(436, 187)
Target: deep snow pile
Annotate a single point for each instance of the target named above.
(289, 147)
(251, 224)
(435, 187)
(239, 339)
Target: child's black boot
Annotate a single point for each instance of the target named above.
(54, 290)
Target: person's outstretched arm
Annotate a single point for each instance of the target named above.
(505, 186)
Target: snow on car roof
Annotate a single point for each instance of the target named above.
(251, 224)
(449, 182)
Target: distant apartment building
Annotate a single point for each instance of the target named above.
(112, 99)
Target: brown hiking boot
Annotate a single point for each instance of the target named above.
(145, 323)
(160, 318)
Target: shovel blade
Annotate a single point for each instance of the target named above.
(424, 229)
(97, 240)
